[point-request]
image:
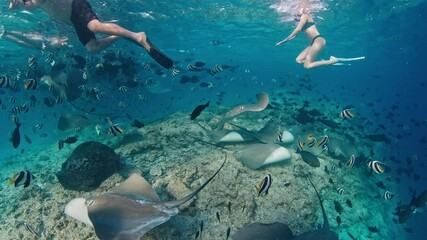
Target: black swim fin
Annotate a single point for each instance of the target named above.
(159, 56)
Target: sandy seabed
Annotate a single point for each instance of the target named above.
(175, 164)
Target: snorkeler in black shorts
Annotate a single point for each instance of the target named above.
(81, 15)
(86, 24)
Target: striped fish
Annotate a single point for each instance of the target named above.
(376, 166)
(30, 84)
(123, 89)
(4, 82)
(279, 135)
(175, 71)
(22, 178)
(324, 141)
(388, 195)
(32, 62)
(217, 69)
(340, 191)
(114, 129)
(264, 185)
(346, 113)
(300, 144)
(350, 162)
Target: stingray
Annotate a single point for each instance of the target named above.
(310, 159)
(231, 136)
(267, 134)
(129, 210)
(281, 231)
(263, 101)
(70, 121)
(257, 155)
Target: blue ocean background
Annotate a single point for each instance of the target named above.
(388, 88)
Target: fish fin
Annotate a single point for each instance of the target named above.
(11, 181)
(159, 56)
(136, 184)
(77, 209)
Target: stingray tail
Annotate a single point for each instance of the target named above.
(183, 200)
(325, 219)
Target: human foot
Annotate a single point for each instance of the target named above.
(333, 60)
(143, 41)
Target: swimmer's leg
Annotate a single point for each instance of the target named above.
(315, 49)
(97, 45)
(303, 55)
(139, 38)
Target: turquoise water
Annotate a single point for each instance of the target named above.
(387, 88)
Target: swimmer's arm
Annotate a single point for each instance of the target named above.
(297, 30)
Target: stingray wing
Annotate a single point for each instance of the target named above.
(116, 216)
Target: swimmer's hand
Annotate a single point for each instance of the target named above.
(281, 42)
(285, 40)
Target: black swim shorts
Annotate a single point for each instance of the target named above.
(81, 15)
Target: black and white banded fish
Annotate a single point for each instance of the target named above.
(4, 81)
(279, 135)
(324, 141)
(350, 162)
(264, 185)
(123, 89)
(32, 62)
(146, 66)
(22, 178)
(217, 69)
(142, 98)
(376, 166)
(78, 129)
(20, 109)
(300, 144)
(340, 191)
(148, 81)
(175, 71)
(49, 58)
(114, 129)
(388, 195)
(346, 113)
(12, 99)
(311, 140)
(121, 105)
